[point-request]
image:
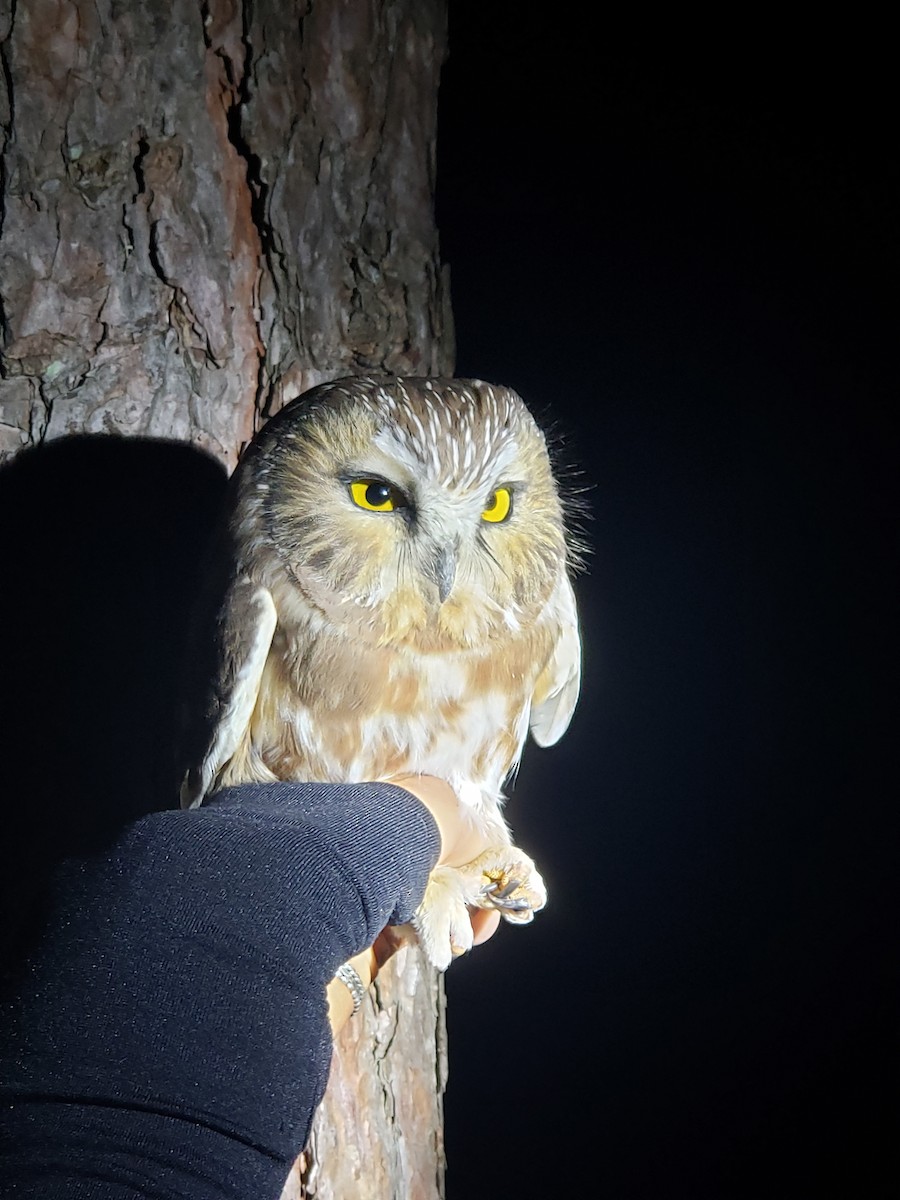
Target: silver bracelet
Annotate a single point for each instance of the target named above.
(352, 982)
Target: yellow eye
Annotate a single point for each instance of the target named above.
(498, 507)
(376, 495)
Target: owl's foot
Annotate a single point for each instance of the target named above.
(502, 892)
(509, 881)
(442, 919)
(503, 878)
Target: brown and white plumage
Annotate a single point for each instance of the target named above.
(399, 603)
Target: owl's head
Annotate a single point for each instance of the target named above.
(421, 511)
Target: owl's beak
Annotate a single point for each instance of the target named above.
(441, 570)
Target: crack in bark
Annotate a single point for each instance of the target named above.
(237, 76)
(137, 165)
(8, 127)
(180, 315)
(39, 418)
(384, 1046)
(145, 194)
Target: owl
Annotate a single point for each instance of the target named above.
(397, 602)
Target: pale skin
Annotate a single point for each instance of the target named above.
(460, 844)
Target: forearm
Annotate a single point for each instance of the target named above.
(169, 1036)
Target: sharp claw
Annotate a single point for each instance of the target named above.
(501, 897)
(502, 893)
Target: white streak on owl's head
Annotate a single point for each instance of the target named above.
(414, 510)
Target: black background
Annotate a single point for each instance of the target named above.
(681, 254)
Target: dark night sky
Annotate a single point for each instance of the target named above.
(683, 257)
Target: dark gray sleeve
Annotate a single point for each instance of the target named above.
(168, 1035)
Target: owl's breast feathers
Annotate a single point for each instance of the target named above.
(333, 708)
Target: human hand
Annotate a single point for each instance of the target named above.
(369, 962)
(460, 844)
(461, 840)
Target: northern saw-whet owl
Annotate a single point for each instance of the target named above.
(398, 602)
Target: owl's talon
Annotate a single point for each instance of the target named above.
(496, 893)
(503, 899)
(510, 883)
(518, 909)
(512, 906)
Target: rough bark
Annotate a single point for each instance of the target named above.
(381, 1116)
(211, 207)
(208, 208)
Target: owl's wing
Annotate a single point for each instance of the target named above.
(556, 691)
(246, 627)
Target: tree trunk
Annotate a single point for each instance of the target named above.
(207, 209)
